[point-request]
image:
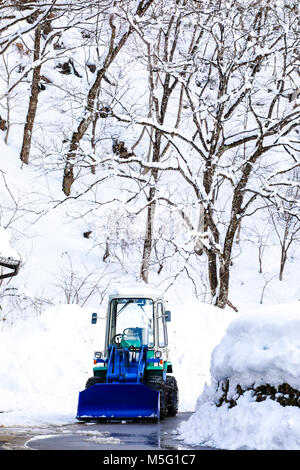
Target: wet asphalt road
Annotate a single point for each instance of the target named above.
(114, 436)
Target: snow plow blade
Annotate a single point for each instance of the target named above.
(114, 401)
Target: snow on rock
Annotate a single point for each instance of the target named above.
(258, 348)
(6, 251)
(261, 348)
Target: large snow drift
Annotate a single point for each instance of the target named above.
(258, 349)
(44, 362)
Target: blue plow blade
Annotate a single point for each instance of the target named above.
(125, 400)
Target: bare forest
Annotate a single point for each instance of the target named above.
(160, 137)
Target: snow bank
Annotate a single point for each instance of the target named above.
(259, 348)
(6, 251)
(44, 363)
(250, 425)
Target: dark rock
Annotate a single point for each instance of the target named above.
(284, 394)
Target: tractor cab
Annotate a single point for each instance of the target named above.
(135, 321)
(131, 323)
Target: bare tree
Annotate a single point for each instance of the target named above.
(33, 101)
(115, 44)
(236, 129)
(161, 87)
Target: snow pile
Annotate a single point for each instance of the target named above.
(250, 425)
(6, 251)
(258, 349)
(44, 363)
(261, 348)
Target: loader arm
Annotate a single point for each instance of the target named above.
(126, 365)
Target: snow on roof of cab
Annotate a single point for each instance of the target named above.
(137, 290)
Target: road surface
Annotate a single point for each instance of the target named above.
(115, 436)
(99, 436)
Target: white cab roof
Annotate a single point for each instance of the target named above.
(135, 292)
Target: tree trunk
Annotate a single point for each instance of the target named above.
(148, 242)
(212, 273)
(222, 299)
(148, 237)
(225, 257)
(236, 211)
(83, 126)
(282, 261)
(33, 102)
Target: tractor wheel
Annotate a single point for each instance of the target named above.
(94, 380)
(172, 396)
(158, 383)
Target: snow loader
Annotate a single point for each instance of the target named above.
(132, 377)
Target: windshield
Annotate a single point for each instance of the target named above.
(133, 319)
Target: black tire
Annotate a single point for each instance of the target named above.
(172, 396)
(158, 383)
(94, 380)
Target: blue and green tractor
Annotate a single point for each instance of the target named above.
(132, 377)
